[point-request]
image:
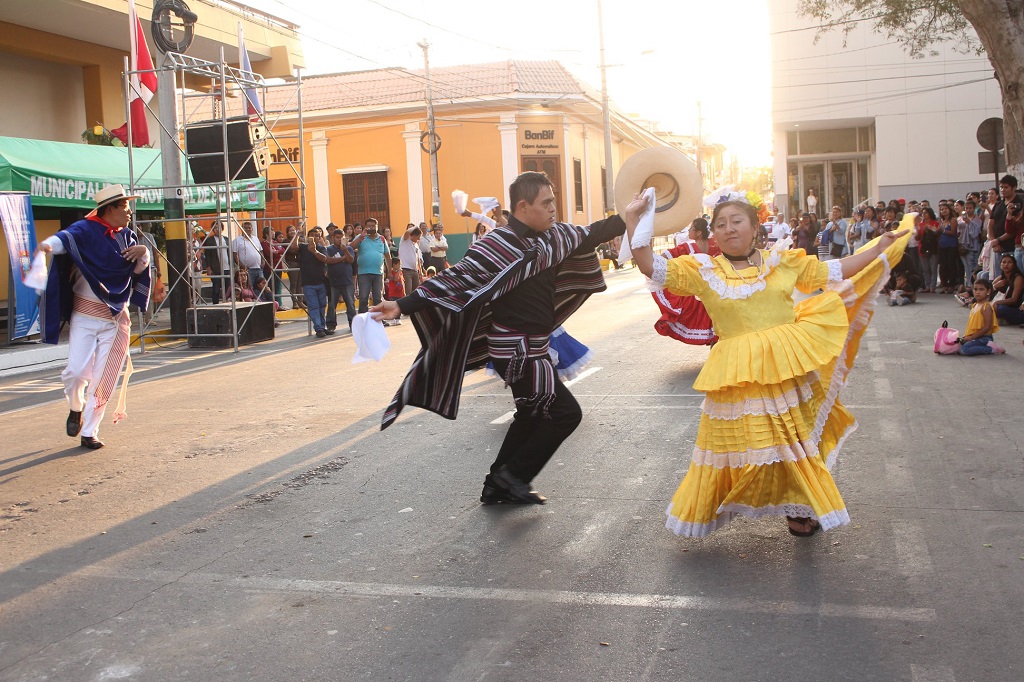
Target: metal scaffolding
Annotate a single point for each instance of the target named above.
(216, 104)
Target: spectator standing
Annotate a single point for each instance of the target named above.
(949, 254)
(425, 243)
(291, 259)
(439, 248)
(411, 258)
(479, 233)
(861, 231)
(385, 234)
(836, 228)
(217, 253)
(970, 240)
(340, 257)
(1014, 229)
(372, 254)
(802, 235)
(248, 252)
(928, 249)
(781, 229)
(997, 223)
(313, 271)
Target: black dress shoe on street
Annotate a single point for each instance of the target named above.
(519, 491)
(74, 423)
(91, 443)
(495, 494)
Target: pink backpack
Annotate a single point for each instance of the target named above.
(946, 340)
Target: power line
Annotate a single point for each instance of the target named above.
(886, 78)
(881, 97)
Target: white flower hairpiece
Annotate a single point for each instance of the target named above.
(723, 194)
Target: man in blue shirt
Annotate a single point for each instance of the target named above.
(339, 275)
(372, 254)
(837, 234)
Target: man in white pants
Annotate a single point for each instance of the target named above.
(103, 268)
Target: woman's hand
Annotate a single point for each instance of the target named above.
(635, 209)
(887, 238)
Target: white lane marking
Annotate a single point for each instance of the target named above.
(931, 673)
(873, 346)
(877, 363)
(897, 475)
(651, 601)
(871, 332)
(891, 430)
(507, 417)
(583, 375)
(645, 290)
(883, 389)
(911, 550)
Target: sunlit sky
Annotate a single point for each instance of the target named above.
(663, 55)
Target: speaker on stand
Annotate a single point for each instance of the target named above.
(247, 152)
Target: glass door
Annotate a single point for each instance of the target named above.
(841, 190)
(814, 180)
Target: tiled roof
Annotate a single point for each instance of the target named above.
(398, 86)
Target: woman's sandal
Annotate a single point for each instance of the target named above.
(811, 526)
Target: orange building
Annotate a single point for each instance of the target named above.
(365, 136)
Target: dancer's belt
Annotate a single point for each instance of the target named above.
(528, 357)
(87, 306)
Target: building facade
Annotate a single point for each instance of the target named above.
(864, 121)
(366, 137)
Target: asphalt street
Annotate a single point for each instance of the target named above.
(249, 521)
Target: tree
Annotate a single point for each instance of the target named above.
(994, 26)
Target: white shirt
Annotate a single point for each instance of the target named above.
(409, 255)
(247, 250)
(780, 231)
(439, 241)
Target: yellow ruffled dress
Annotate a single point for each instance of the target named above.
(771, 423)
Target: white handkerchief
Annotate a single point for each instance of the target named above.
(486, 204)
(460, 199)
(644, 232)
(36, 277)
(371, 340)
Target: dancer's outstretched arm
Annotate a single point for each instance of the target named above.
(643, 256)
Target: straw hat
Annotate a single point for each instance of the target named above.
(109, 195)
(676, 183)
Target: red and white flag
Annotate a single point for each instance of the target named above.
(143, 85)
(253, 108)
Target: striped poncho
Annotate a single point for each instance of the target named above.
(453, 329)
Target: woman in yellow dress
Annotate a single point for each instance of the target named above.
(771, 423)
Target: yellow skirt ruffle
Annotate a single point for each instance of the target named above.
(767, 448)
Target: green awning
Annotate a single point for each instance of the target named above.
(66, 175)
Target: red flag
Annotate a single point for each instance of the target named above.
(143, 85)
(253, 108)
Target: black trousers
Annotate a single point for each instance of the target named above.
(531, 441)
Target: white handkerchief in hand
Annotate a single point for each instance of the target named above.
(460, 199)
(486, 204)
(36, 277)
(644, 232)
(371, 340)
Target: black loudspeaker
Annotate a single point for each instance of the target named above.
(207, 137)
(216, 319)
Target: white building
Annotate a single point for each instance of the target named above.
(866, 121)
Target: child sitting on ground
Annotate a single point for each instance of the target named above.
(982, 324)
(904, 292)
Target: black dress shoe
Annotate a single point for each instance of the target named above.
(91, 443)
(520, 492)
(74, 423)
(495, 494)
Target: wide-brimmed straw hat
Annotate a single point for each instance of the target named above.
(676, 183)
(109, 195)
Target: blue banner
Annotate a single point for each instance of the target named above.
(20, 230)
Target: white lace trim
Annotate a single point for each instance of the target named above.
(727, 513)
(692, 334)
(835, 270)
(762, 456)
(794, 397)
(659, 275)
(724, 289)
(572, 371)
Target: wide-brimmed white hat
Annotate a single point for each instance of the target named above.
(109, 195)
(676, 182)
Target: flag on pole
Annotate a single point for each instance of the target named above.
(143, 86)
(252, 99)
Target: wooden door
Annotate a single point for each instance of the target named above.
(366, 196)
(552, 167)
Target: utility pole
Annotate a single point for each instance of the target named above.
(174, 204)
(609, 182)
(432, 140)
